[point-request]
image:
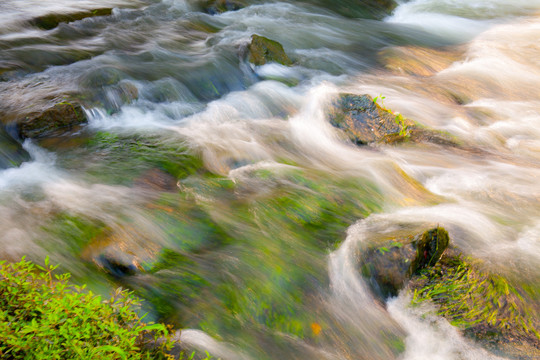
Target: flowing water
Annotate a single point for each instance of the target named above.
(222, 195)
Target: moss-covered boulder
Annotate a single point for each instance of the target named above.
(389, 264)
(263, 50)
(50, 21)
(502, 316)
(214, 7)
(11, 152)
(59, 118)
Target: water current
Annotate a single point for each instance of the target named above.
(222, 195)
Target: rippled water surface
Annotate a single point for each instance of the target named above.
(219, 192)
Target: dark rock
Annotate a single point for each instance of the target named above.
(59, 118)
(363, 120)
(390, 264)
(50, 21)
(263, 50)
(11, 152)
(429, 249)
(370, 9)
(214, 7)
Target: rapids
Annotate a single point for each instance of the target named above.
(248, 240)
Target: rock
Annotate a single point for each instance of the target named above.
(156, 180)
(363, 120)
(50, 21)
(263, 50)
(371, 9)
(59, 118)
(390, 264)
(11, 152)
(214, 7)
(418, 61)
(500, 315)
(429, 249)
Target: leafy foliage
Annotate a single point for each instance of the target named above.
(44, 317)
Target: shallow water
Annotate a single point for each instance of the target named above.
(232, 205)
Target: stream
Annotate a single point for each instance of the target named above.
(219, 192)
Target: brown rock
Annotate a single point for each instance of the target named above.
(263, 50)
(59, 118)
(389, 264)
(364, 121)
(50, 21)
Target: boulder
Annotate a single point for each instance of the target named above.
(50, 21)
(263, 50)
(388, 265)
(59, 118)
(11, 152)
(363, 121)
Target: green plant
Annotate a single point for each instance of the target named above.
(399, 119)
(468, 297)
(44, 317)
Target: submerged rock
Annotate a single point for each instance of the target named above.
(390, 264)
(371, 9)
(213, 7)
(61, 117)
(12, 153)
(50, 21)
(263, 50)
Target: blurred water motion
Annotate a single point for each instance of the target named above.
(219, 192)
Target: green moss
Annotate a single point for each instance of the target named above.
(122, 158)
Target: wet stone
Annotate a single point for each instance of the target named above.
(214, 7)
(12, 153)
(388, 265)
(362, 120)
(263, 50)
(59, 118)
(51, 21)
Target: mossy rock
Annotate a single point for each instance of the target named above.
(50, 21)
(389, 264)
(364, 121)
(263, 50)
(59, 118)
(489, 309)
